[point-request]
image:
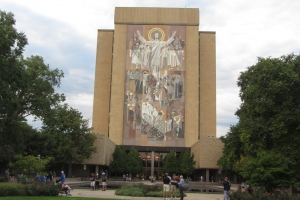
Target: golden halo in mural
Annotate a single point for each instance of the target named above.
(156, 33)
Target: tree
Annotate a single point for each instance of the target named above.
(269, 170)
(133, 162)
(232, 151)
(268, 116)
(119, 158)
(29, 165)
(186, 162)
(170, 163)
(26, 87)
(69, 137)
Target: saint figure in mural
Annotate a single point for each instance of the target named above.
(157, 46)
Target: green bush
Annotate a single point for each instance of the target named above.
(141, 190)
(137, 194)
(129, 190)
(34, 189)
(263, 195)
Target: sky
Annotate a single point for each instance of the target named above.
(64, 33)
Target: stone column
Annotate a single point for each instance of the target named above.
(152, 163)
(97, 169)
(207, 175)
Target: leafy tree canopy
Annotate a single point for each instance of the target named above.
(26, 86)
(133, 162)
(117, 164)
(269, 170)
(29, 165)
(186, 162)
(171, 164)
(268, 116)
(69, 139)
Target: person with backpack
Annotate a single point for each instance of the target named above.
(166, 186)
(226, 185)
(104, 179)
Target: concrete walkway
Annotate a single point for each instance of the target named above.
(111, 194)
(84, 191)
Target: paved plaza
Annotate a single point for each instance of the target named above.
(111, 194)
(82, 189)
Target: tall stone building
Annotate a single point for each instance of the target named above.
(155, 89)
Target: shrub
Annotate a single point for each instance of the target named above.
(141, 190)
(263, 195)
(34, 189)
(137, 194)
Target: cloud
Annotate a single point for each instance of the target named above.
(83, 102)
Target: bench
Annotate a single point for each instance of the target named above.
(200, 186)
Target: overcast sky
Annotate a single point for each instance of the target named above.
(65, 34)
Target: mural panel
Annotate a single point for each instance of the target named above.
(154, 86)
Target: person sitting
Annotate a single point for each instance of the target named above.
(64, 187)
(67, 189)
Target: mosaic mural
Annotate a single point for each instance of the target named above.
(154, 86)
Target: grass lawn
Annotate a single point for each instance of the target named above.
(49, 198)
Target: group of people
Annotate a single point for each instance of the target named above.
(23, 177)
(95, 181)
(127, 177)
(172, 183)
(45, 177)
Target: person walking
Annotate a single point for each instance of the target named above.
(181, 187)
(62, 177)
(166, 186)
(226, 185)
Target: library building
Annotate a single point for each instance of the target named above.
(155, 90)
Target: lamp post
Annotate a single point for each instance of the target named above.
(83, 170)
(39, 156)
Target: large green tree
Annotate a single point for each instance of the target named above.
(269, 170)
(171, 164)
(117, 164)
(232, 152)
(133, 162)
(26, 87)
(186, 162)
(69, 139)
(268, 116)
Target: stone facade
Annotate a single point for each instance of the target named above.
(105, 148)
(200, 82)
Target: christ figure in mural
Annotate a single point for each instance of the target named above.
(156, 50)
